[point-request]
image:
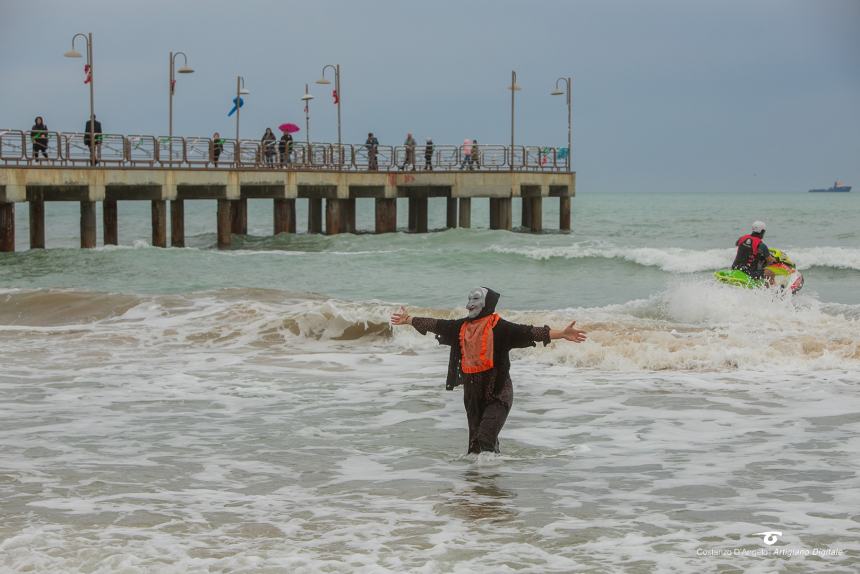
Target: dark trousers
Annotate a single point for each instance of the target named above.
(486, 412)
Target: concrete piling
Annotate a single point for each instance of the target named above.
(564, 213)
(315, 212)
(7, 226)
(37, 224)
(177, 223)
(465, 215)
(88, 224)
(284, 216)
(386, 215)
(239, 216)
(159, 223)
(224, 224)
(451, 213)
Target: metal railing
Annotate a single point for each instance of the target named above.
(20, 147)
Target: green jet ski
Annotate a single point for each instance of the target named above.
(785, 275)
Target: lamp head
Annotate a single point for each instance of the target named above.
(244, 92)
(72, 54)
(323, 81)
(307, 97)
(185, 70)
(556, 92)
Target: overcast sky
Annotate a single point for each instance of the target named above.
(669, 95)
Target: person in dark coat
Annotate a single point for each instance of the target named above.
(372, 145)
(217, 147)
(93, 131)
(267, 144)
(428, 155)
(39, 134)
(479, 360)
(285, 148)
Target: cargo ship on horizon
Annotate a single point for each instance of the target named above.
(838, 187)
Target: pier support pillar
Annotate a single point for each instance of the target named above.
(37, 224)
(350, 215)
(7, 226)
(177, 223)
(88, 224)
(451, 216)
(335, 216)
(564, 213)
(285, 216)
(527, 212)
(315, 215)
(533, 214)
(465, 212)
(159, 223)
(239, 216)
(418, 215)
(500, 213)
(224, 224)
(110, 222)
(386, 215)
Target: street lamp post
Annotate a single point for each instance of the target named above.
(568, 84)
(240, 91)
(338, 96)
(514, 88)
(171, 86)
(307, 100)
(88, 38)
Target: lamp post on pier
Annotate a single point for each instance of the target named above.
(514, 88)
(88, 38)
(337, 96)
(307, 100)
(568, 84)
(240, 91)
(171, 86)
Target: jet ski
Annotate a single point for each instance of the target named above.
(786, 277)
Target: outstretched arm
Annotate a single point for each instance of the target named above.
(441, 327)
(570, 333)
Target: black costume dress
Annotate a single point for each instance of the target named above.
(487, 395)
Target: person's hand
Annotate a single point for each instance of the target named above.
(573, 334)
(401, 317)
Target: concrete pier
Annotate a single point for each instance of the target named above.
(232, 188)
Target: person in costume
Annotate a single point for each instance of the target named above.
(752, 255)
(479, 360)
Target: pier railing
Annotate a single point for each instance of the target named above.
(19, 147)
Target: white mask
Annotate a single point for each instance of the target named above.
(477, 299)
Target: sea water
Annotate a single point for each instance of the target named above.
(251, 410)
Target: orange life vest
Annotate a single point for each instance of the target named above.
(476, 344)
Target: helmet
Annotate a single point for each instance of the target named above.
(758, 226)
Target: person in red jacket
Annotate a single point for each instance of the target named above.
(752, 255)
(479, 360)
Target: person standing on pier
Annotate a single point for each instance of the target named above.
(285, 148)
(93, 131)
(267, 143)
(476, 155)
(39, 134)
(372, 145)
(428, 155)
(410, 152)
(467, 154)
(217, 147)
(479, 360)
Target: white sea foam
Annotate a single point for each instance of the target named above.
(680, 260)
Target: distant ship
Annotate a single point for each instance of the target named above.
(838, 186)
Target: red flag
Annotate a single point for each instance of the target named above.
(172, 86)
(88, 74)
(334, 95)
(306, 107)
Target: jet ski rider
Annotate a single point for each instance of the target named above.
(753, 255)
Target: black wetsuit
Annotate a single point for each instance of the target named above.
(752, 255)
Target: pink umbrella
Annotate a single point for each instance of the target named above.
(289, 128)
